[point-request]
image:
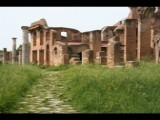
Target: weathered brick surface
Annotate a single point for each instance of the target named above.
(113, 52)
(101, 58)
(130, 40)
(138, 35)
(144, 38)
(87, 56)
(95, 42)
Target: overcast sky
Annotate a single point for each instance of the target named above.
(80, 18)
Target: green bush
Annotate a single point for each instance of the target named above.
(14, 82)
(99, 89)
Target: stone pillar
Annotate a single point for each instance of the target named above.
(87, 56)
(133, 13)
(95, 42)
(31, 47)
(14, 50)
(65, 59)
(44, 42)
(20, 58)
(144, 32)
(144, 38)
(101, 58)
(130, 40)
(25, 45)
(152, 44)
(157, 51)
(38, 45)
(113, 52)
(4, 55)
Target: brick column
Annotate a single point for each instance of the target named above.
(130, 40)
(87, 56)
(95, 42)
(144, 38)
(157, 50)
(31, 47)
(113, 52)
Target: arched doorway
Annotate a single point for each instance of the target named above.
(80, 56)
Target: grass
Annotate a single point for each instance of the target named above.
(99, 89)
(89, 88)
(14, 82)
(59, 67)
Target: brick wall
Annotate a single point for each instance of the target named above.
(130, 39)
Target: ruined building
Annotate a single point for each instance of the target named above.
(127, 41)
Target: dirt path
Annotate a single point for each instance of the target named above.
(44, 97)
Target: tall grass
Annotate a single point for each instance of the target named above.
(99, 89)
(14, 82)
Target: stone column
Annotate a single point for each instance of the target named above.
(144, 32)
(113, 52)
(25, 45)
(4, 55)
(130, 40)
(95, 41)
(87, 56)
(101, 58)
(157, 52)
(14, 50)
(144, 38)
(20, 58)
(152, 44)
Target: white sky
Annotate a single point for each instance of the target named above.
(80, 18)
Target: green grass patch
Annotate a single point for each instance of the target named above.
(99, 89)
(59, 67)
(14, 82)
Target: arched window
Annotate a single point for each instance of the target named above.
(47, 35)
(34, 39)
(55, 50)
(54, 36)
(41, 37)
(63, 35)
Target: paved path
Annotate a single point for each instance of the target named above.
(44, 97)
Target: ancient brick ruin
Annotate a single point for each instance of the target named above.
(127, 41)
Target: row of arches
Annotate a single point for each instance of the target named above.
(42, 37)
(41, 56)
(54, 36)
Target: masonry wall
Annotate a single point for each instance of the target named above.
(60, 55)
(144, 39)
(130, 40)
(101, 58)
(113, 52)
(76, 37)
(87, 56)
(95, 42)
(107, 33)
(85, 37)
(74, 49)
(69, 32)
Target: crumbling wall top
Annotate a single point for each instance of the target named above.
(121, 27)
(108, 28)
(40, 22)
